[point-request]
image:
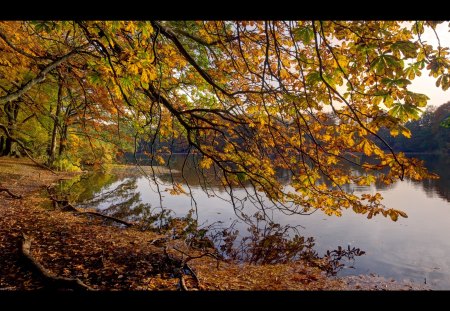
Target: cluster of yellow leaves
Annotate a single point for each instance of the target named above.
(176, 189)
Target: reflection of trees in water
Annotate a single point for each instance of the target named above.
(123, 201)
(439, 164)
(85, 187)
(265, 242)
(271, 243)
(187, 172)
(435, 163)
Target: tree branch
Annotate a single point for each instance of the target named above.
(350, 106)
(2, 35)
(168, 33)
(39, 78)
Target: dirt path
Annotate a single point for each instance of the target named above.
(107, 257)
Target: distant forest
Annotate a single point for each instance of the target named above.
(430, 133)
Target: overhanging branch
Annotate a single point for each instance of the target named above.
(39, 78)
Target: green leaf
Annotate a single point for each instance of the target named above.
(393, 61)
(94, 78)
(396, 82)
(418, 28)
(385, 61)
(405, 112)
(407, 48)
(378, 65)
(412, 71)
(388, 101)
(417, 99)
(446, 123)
(305, 34)
(313, 78)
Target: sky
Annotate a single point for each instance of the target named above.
(425, 84)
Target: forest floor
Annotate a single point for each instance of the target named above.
(108, 257)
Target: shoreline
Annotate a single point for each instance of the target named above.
(106, 257)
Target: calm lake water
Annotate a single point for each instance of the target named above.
(414, 249)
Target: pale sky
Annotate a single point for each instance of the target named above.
(425, 84)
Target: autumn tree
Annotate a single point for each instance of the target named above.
(253, 98)
(49, 107)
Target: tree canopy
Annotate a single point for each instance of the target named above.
(250, 98)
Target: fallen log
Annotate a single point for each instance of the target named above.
(50, 280)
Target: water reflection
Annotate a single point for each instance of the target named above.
(414, 248)
(272, 243)
(185, 170)
(439, 164)
(263, 242)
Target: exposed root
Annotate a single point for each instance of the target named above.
(15, 196)
(182, 283)
(50, 280)
(184, 266)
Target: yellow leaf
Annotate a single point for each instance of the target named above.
(326, 137)
(144, 77)
(366, 147)
(160, 160)
(205, 163)
(394, 132)
(406, 132)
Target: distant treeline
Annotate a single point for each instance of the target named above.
(430, 133)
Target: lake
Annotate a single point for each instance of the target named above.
(414, 249)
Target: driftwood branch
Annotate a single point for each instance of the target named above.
(123, 222)
(182, 283)
(15, 196)
(52, 281)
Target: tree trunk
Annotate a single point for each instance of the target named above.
(51, 151)
(8, 146)
(12, 111)
(63, 139)
(2, 143)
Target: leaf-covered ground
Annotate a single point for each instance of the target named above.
(108, 257)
